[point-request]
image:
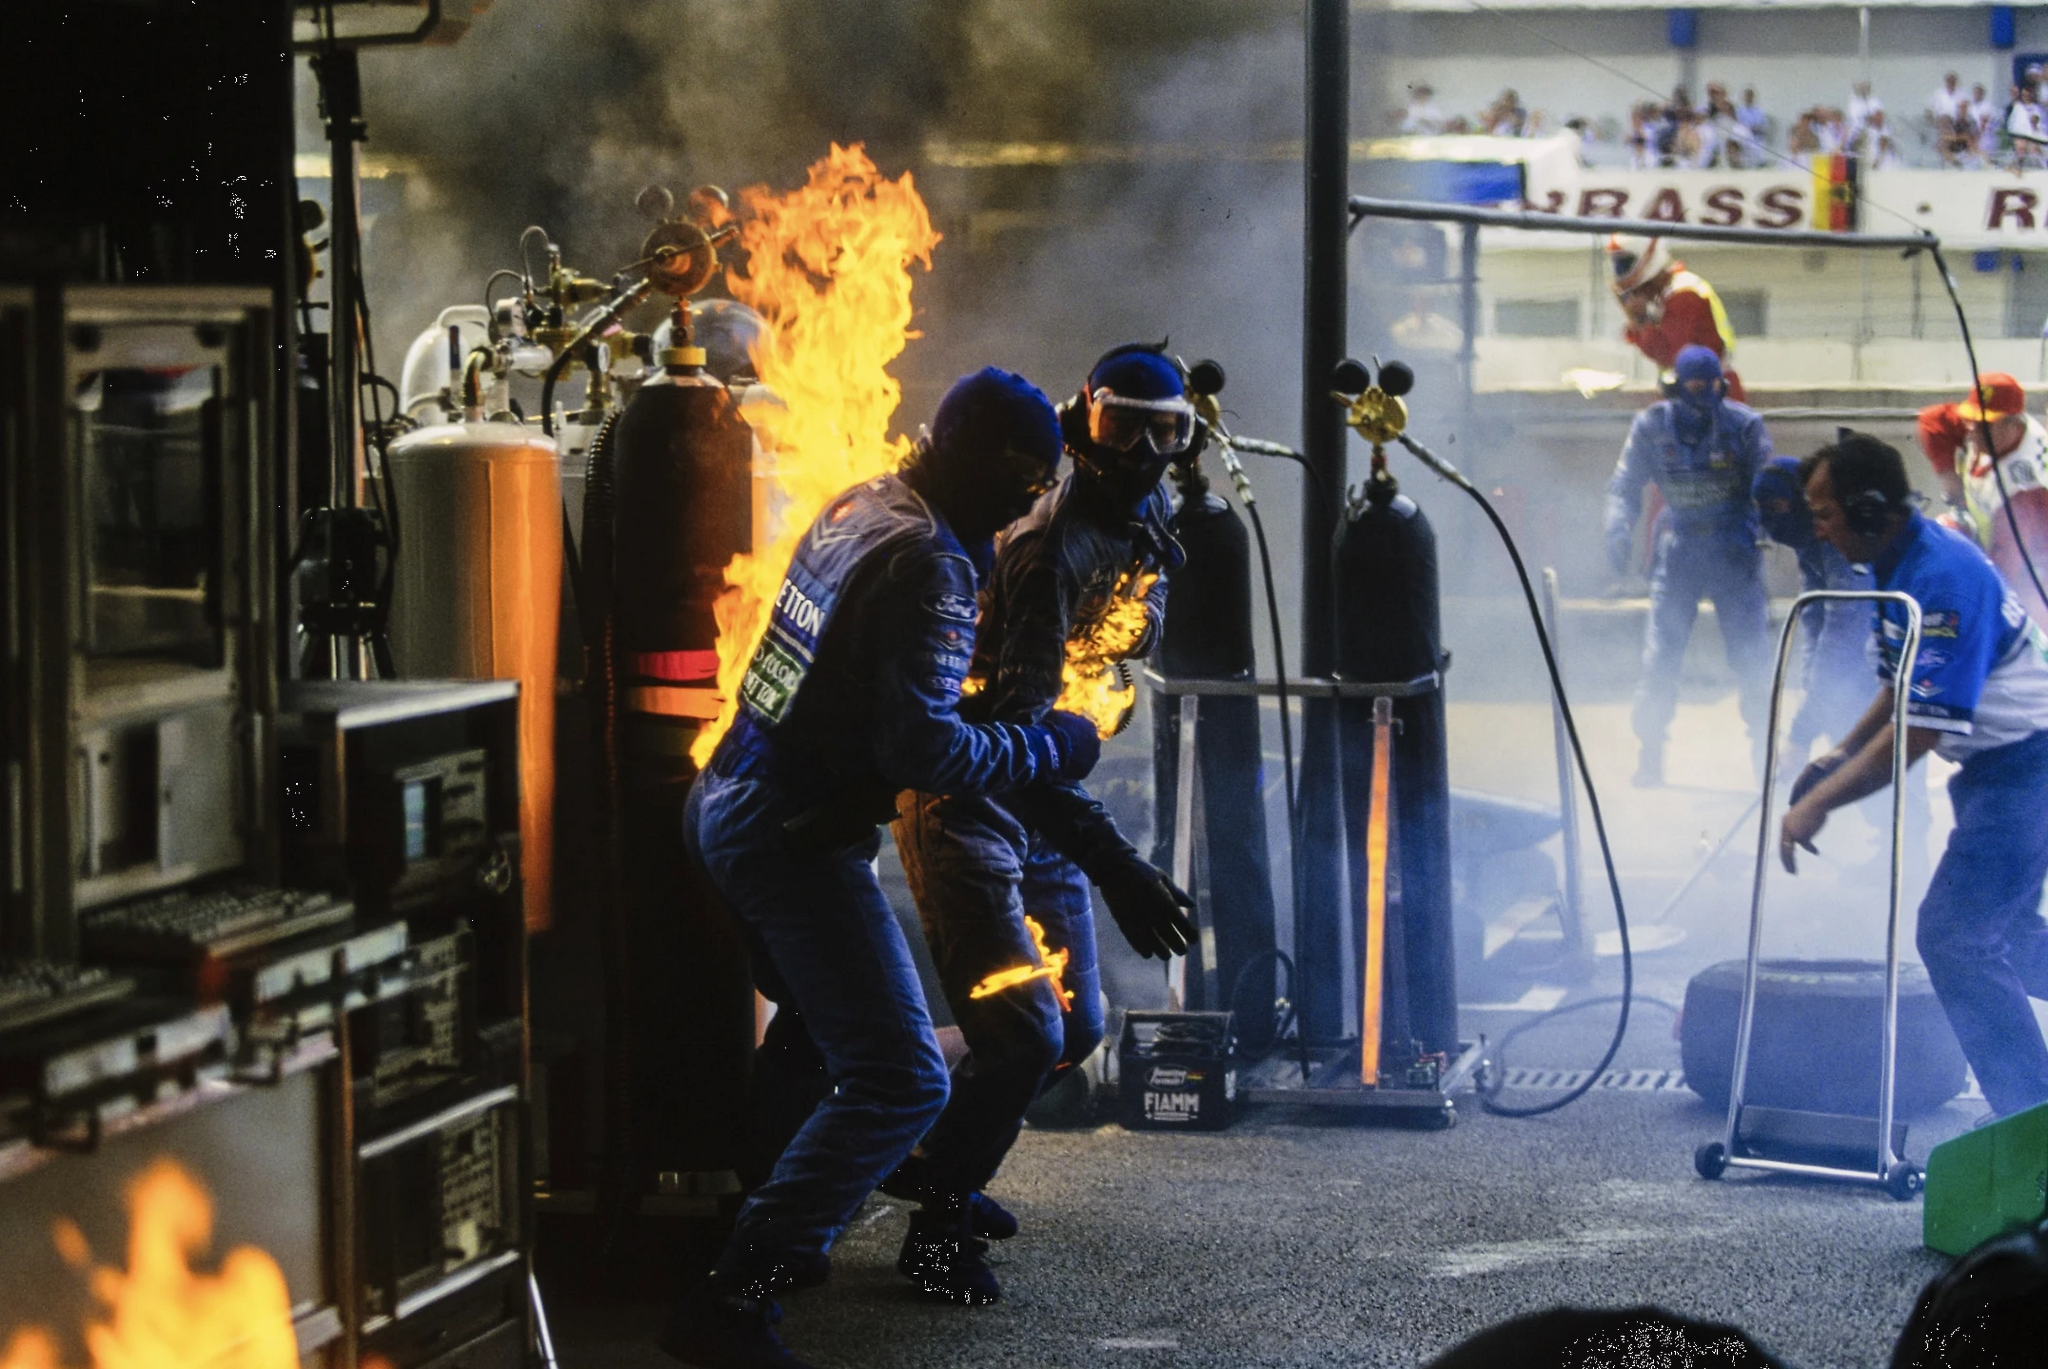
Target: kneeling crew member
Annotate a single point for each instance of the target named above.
(1703, 451)
(980, 866)
(1977, 482)
(853, 696)
(1978, 697)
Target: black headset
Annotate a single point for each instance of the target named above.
(1868, 513)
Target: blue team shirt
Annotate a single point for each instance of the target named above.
(1981, 678)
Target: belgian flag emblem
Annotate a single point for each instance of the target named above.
(1834, 194)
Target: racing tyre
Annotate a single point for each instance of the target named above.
(1819, 1037)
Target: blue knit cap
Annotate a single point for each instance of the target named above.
(994, 408)
(1697, 363)
(1139, 373)
(1781, 503)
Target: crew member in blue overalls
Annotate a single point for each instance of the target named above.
(1702, 450)
(979, 866)
(852, 697)
(1979, 697)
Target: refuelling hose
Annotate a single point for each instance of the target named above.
(1488, 1098)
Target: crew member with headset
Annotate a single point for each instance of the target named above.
(1667, 307)
(852, 696)
(1952, 438)
(1837, 657)
(982, 868)
(1702, 451)
(1978, 697)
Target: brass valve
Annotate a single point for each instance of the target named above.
(1375, 415)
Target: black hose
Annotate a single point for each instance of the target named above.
(1571, 728)
(1948, 283)
(1520, 1029)
(593, 586)
(1284, 1020)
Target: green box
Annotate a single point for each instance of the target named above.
(1987, 1182)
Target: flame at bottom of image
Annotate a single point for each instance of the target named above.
(162, 1312)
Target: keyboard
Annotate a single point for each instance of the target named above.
(180, 927)
(32, 992)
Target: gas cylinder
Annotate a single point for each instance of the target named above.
(477, 593)
(1389, 632)
(1208, 636)
(669, 503)
(682, 500)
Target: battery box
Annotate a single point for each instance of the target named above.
(1987, 1182)
(1174, 1071)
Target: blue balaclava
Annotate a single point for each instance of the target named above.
(1695, 413)
(1146, 385)
(1781, 504)
(995, 442)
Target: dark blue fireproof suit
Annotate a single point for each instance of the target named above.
(851, 698)
(1706, 547)
(979, 866)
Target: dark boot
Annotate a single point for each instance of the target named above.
(942, 1256)
(910, 1181)
(725, 1323)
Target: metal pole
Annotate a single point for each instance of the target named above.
(1318, 858)
(1567, 785)
(1468, 322)
(1365, 207)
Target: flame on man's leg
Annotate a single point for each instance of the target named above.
(1090, 682)
(162, 1313)
(1051, 965)
(828, 265)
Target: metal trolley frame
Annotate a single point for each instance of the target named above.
(1891, 1172)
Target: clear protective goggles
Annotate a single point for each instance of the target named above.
(1119, 423)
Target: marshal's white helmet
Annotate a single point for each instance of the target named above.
(1636, 259)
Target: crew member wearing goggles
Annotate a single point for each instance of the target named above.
(985, 868)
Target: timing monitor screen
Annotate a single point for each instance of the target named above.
(148, 449)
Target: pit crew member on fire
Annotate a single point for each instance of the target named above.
(1001, 883)
(853, 696)
(1978, 696)
(1702, 451)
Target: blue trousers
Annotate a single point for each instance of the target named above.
(1687, 570)
(1981, 934)
(976, 874)
(841, 957)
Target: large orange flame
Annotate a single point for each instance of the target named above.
(162, 1313)
(828, 265)
(1090, 682)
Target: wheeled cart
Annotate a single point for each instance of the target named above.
(1790, 1141)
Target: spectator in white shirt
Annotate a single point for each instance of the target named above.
(2027, 126)
(1830, 131)
(1422, 118)
(1873, 145)
(1755, 126)
(1862, 104)
(1984, 123)
(1949, 102)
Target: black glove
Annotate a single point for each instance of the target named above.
(1814, 774)
(1150, 909)
(1076, 745)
